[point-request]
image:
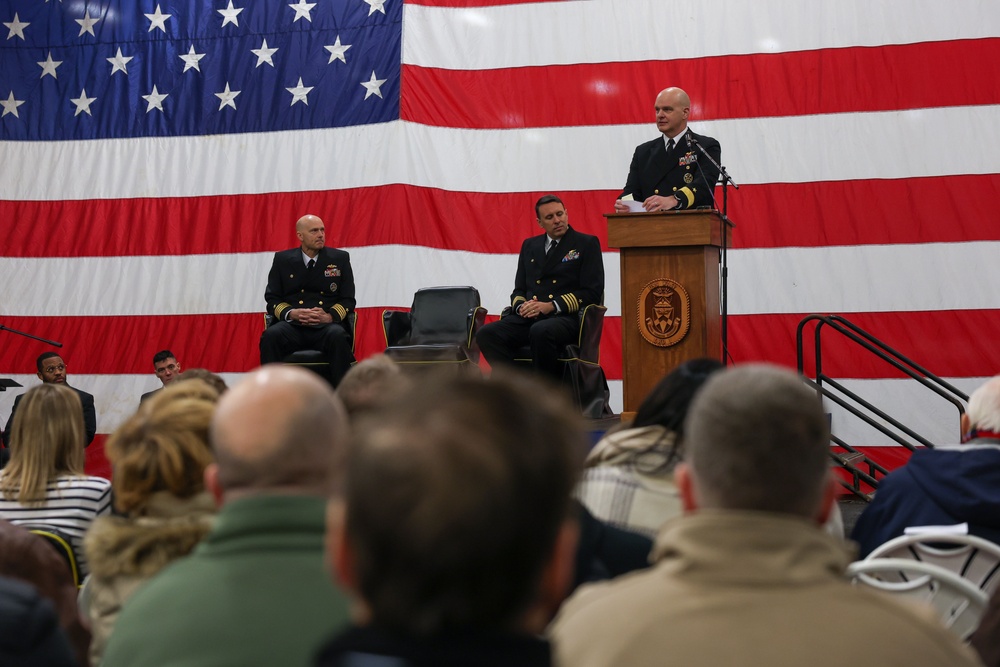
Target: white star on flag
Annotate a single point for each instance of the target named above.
(191, 59)
(230, 15)
(302, 10)
(159, 20)
(16, 27)
(264, 54)
(83, 103)
(227, 97)
(87, 24)
(119, 62)
(337, 51)
(299, 93)
(49, 66)
(375, 6)
(373, 86)
(10, 105)
(154, 100)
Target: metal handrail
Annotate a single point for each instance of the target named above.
(850, 401)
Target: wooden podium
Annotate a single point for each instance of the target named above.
(670, 293)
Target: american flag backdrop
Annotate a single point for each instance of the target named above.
(156, 153)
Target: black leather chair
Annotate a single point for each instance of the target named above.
(440, 328)
(582, 372)
(314, 360)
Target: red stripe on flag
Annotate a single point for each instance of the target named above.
(767, 216)
(795, 83)
(948, 343)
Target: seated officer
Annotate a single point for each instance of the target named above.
(310, 291)
(559, 273)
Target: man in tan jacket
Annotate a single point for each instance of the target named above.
(746, 576)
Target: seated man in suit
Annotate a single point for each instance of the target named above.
(559, 273)
(166, 367)
(310, 291)
(670, 172)
(52, 370)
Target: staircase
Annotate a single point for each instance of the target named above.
(858, 473)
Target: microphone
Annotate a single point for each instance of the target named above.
(687, 135)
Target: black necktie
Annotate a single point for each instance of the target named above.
(552, 246)
(312, 263)
(670, 145)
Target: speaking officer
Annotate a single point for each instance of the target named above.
(666, 173)
(559, 273)
(310, 291)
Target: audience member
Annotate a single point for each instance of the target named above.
(166, 367)
(746, 576)
(159, 457)
(215, 381)
(369, 384)
(28, 557)
(44, 485)
(628, 479)
(945, 485)
(30, 635)
(255, 591)
(605, 551)
(52, 370)
(456, 531)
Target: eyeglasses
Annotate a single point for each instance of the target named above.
(164, 369)
(53, 369)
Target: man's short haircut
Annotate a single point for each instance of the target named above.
(757, 439)
(546, 199)
(162, 355)
(40, 361)
(455, 495)
(370, 383)
(984, 406)
(204, 375)
(310, 428)
(163, 446)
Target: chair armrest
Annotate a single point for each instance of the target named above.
(395, 326)
(591, 328)
(476, 318)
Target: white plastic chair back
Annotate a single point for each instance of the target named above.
(958, 602)
(968, 556)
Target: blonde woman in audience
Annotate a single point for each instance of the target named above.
(159, 457)
(629, 476)
(44, 485)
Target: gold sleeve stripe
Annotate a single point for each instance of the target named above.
(517, 300)
(571, 302)
(340, 310)
(687, 195)
(279, 311)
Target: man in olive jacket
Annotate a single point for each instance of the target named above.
(255, 592)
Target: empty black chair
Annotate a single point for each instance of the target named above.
(440, 328)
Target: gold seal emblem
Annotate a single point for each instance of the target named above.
(688, 178)
(663, 312)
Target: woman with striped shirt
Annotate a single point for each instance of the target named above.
(44, 485)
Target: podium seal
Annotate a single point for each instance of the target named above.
(663, 312)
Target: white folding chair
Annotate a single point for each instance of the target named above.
(958, 602)
(968, 556)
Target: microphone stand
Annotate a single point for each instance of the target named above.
(4, 382)
(723, 224)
